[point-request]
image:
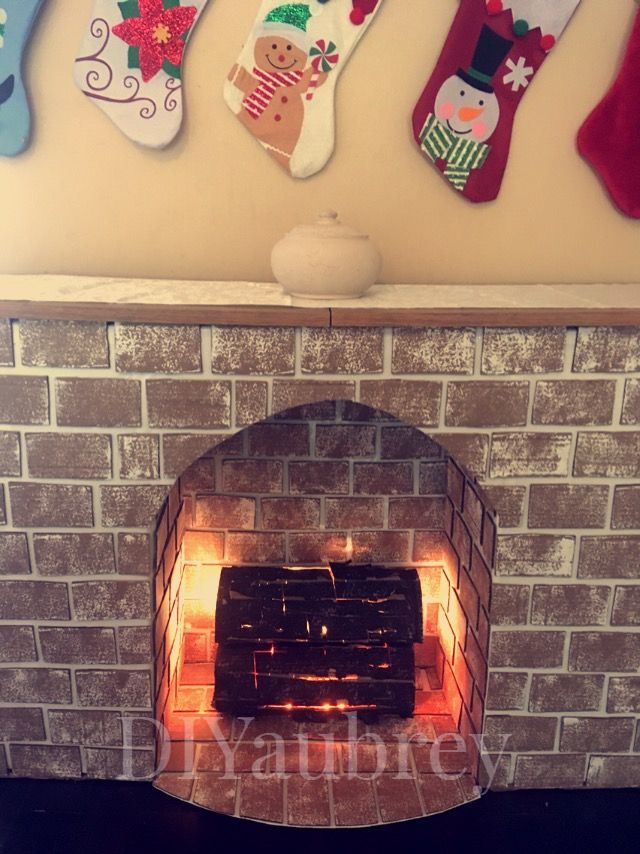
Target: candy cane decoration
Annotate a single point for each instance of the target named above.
(325, 59)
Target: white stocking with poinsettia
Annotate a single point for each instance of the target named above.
(130, 64)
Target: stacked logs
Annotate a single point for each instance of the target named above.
(316, 641)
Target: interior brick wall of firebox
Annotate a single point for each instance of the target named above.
(99, 419)
(332, 481)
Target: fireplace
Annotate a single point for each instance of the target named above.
(322, 591)
(106, 424)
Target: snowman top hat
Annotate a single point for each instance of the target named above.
(290, 21)
(490, 51)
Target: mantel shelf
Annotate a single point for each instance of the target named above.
(264, 304)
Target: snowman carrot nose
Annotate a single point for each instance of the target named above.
(468, 114)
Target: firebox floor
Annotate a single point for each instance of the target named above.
(333, 773)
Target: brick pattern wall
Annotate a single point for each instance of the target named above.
(465, 602)
(98, 420)
(169, 599)
(300, 490)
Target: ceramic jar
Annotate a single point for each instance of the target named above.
(327, 260)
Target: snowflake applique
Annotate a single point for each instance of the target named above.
(519, 74)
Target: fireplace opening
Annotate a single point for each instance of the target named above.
(323, 585)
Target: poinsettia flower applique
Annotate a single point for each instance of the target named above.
(157, 33)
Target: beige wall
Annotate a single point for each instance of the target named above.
(85, 200)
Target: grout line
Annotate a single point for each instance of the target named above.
(332, 806)
(478, 351)
(236, 808)
(387, 353)
(15, 344)
(285, 799)
(206, 351)
(16, 340)
(110, 331)
(570, 347)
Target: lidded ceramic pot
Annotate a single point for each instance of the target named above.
(326, 260)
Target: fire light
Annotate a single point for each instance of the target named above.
(349, 548)
(202, 583)
(340, 706)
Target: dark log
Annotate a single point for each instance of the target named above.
(352, 603)
(296, 677)
(321, 641)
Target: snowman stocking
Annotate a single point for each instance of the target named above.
(464, 118)
(282, 87)
(16, 20)
(130, 64)
(610, 137)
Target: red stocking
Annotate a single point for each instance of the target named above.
(610, 138)
(464, 118)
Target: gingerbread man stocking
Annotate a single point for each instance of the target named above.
(464, 118)
(282, 87)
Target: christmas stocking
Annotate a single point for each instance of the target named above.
(464, 118)
(16, 20)
(130, 64)
(610, 137)
(282, 87)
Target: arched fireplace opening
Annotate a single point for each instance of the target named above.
(323, 585)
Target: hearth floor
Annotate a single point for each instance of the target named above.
(328, 782)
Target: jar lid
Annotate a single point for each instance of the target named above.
(327, 226)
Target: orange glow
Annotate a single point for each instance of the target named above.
(433, 587)
(201, 582)
(255, 674)
(200, 590)
(450, 575)
(350, 677)
(340, 706)
(349, 548)
(291, 568)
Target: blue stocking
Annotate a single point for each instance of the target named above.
(16, 20)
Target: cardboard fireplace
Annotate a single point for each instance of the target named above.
(212, 533)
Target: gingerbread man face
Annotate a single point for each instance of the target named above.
(276, 54)
(468, 112)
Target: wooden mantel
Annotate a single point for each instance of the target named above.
(264, 304)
